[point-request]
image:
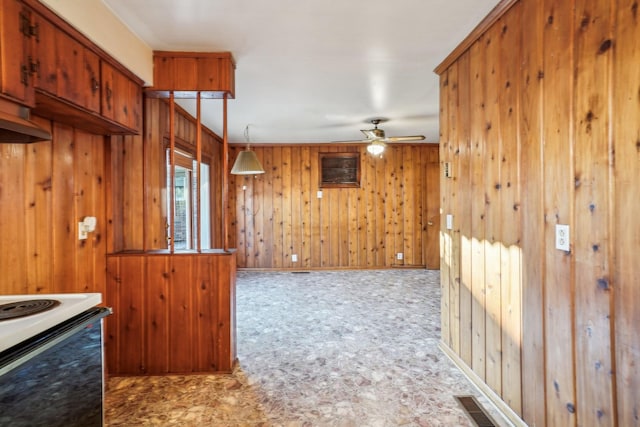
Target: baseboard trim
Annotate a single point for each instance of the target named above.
(493, 397)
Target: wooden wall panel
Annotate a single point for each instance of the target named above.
(45, 190)
(477, 201)
(279, 213)
(445, 206)
(462, 170)
(624, 240)
(557, 104)
(171, 313)
(511, 228)
(530, 132)
(553, 130)
(592, 162)
(492, 215)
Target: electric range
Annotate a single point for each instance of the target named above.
(13, 331)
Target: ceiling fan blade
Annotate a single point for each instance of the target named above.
(351, 141)
(405, 138)
(369, 133)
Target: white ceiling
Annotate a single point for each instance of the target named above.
(315, 71)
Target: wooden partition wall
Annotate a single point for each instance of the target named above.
(173, 312)
(176, 313)
(541, 121)
(395, 210)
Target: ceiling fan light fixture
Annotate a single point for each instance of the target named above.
(376, 147)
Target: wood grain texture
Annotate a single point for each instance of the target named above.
(278, 214)
(172, 313)
(552, 108)
(531, 122)
(592, 159)
(624, 240)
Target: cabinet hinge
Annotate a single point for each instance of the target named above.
(34, 66)
(25, 24)
(24, 75)
(34, 31)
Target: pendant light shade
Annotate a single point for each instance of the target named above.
(247, 163)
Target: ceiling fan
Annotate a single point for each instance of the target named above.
(378, 141)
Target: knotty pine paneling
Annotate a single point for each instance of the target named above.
(540, 116)
(172, 313)
(277, 214)
(46, 188)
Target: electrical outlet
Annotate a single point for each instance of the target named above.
(399, 255)
(562, 237)
(319, 194)
(448, 172)
(294, 258)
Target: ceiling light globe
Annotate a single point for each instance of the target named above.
(375, 149)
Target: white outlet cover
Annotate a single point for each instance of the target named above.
(562, 237)
(319, 194)
(449, 222)
(399, 255)
(294, 258)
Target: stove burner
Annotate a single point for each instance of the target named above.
(14, 310)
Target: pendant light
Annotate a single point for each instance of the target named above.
(247, 162)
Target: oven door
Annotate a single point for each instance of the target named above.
(55, 378)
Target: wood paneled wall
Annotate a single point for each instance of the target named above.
(175, 313)
(540, 117)
(46, 188)
(277, 214)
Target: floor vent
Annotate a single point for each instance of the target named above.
(301, 272)
(475, 411)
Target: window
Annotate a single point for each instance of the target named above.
(185, 187)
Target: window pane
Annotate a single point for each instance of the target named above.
(205, 207)
(182, 221)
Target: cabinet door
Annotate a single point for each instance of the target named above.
(16, 80)
(121, 98)
(78, 72)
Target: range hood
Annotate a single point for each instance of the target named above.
(15, 126)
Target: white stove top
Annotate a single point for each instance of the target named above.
(14, 331)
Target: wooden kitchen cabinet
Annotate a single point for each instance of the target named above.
(16, 33)
(65, 67)
(121, 98)
(185, 73)
(49, 66)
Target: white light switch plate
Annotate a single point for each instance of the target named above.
(562, 237)
(449, 222)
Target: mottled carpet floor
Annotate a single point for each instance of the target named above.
(323, 348)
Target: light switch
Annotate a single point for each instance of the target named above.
(449, 222)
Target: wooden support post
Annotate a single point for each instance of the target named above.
(198, 171)
(172, 167)
(225, 177)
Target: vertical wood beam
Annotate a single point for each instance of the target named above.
(198, 170)
(225, 176)
(172, 166)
